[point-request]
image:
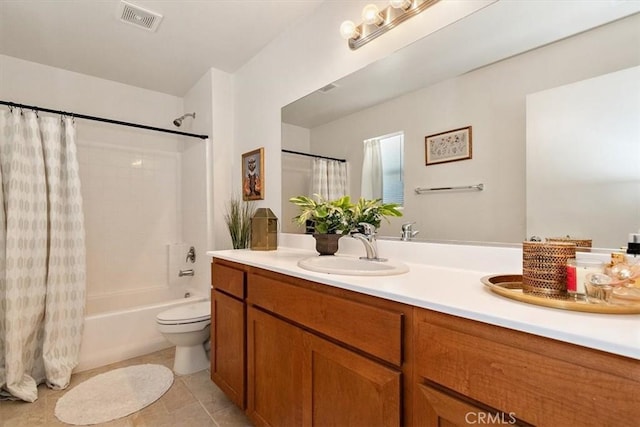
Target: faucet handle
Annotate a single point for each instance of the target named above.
(407, 226)
(408, 232)
(369, 229)
(191, 255)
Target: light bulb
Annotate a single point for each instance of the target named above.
(400, 4)
(371, 14)
(348, 30)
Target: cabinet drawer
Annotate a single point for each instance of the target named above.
(538, 380)
(228, 279)
(371, 329)
(436, 408)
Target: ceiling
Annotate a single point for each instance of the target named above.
(87, 36)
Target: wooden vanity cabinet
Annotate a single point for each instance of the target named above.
(322, 356)
(228, 331)
(297, 353)
(472, 373)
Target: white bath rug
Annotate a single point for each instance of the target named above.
(114, 394)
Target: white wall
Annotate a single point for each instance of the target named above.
(35, 84)
(224, 174)
(583, 159)
(130, 177)
(194, 183)
(206, 183)
(492, 101)
(296, 172)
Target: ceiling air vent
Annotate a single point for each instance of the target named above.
(138, 16)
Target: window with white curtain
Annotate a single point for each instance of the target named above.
(387, 163)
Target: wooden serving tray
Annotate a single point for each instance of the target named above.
(510, 286)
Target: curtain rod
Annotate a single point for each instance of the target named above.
(101, 119)
(313, 155)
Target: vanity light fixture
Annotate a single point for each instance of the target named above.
(371, 15)
(376, 22)
(400, 4)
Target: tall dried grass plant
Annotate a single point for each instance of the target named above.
(238, 219)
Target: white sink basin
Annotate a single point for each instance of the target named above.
(351, 266)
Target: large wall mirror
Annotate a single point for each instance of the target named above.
(513, 102)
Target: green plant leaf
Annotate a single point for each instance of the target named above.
(341, 215)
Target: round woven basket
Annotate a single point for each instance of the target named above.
(544, 267)
(582, 245)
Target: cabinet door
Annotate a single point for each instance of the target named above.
(342, 388)
(228, 349)
(435, 408)
(275, 356)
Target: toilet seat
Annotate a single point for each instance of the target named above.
(186, 314)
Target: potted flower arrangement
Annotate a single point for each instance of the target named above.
(333, 219)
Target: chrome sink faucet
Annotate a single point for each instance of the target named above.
(368, 239)
(408, 232)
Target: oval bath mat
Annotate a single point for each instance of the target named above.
(114, 394)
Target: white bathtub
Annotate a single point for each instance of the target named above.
(112, 336)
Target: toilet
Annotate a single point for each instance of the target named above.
(187, 327)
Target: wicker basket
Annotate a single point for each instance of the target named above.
(582, 245)
(544, 267)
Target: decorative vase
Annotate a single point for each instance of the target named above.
(327, 244)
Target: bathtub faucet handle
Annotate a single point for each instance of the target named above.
(191, 255)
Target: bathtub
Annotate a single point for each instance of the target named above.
(112, 335)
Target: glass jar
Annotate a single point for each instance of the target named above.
(577, 270)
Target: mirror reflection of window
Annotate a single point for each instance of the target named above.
(382, 169)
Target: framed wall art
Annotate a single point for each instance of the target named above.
(253, 175)
(449, 146)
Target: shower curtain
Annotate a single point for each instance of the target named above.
(371, 184)
(328, 178)
(42, 254)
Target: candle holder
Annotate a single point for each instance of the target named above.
(264, 230)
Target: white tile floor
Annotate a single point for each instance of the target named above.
(192, 401)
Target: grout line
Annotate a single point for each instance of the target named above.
(208, 413)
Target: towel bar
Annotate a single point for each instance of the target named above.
(478, 187)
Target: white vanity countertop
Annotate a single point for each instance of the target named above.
(459, 292)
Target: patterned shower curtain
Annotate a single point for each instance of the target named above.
(42, 254)
(329, 178)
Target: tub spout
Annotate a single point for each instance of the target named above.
(188, 272)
